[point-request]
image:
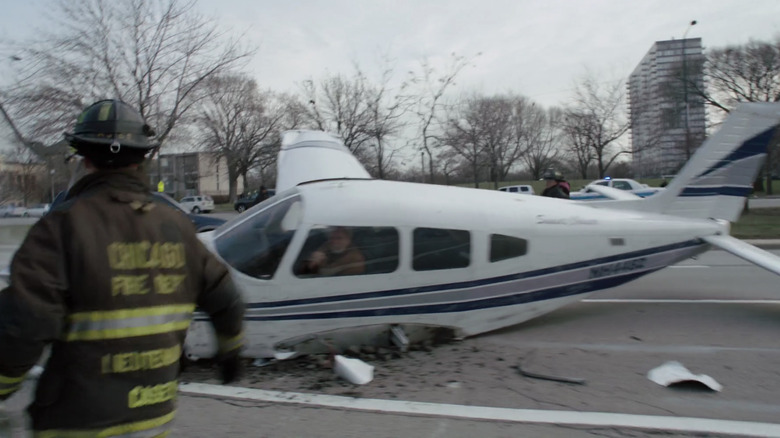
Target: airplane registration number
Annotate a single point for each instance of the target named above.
(618, 268)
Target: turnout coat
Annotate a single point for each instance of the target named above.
(110, 279)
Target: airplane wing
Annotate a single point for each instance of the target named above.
(613, 193)
(758, 256)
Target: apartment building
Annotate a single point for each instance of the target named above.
(668, 118)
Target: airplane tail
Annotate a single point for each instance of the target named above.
(720, 175)
(307, 156)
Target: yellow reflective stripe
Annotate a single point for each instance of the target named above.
(129, 430)
(9, 380)
(9, 389)
(124, 323)
(97, 335)
(131, 313)
(230, 344)
(9, 385)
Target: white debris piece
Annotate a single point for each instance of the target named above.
(674, 372)
(353, 370)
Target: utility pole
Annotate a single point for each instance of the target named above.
(685, 94)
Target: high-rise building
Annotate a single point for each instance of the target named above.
(667, 113)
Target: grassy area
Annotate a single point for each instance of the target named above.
(758, 223)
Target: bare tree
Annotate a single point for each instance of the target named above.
(24, 175)
(153, 54)
(484, 131)
(597, 121)
(429, 104)
(339, 104)
(743, 73)
(239, 123)
(386, 112)
(541, 136)
(579, 154)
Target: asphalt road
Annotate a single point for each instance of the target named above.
(716, 315)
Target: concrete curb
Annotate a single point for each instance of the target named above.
(764, 243)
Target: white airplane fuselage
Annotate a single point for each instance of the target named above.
(572, 250)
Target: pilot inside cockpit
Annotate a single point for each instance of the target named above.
(337, 256)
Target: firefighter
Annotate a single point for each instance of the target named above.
(110, 279)
(556, 185)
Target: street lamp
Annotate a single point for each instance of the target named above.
(685, 93)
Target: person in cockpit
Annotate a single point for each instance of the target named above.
(337, 256)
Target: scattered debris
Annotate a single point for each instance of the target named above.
(674, 372)
(263, 362)
(398, 338)
(572, 380)
(353, 370)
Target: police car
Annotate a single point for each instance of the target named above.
(629, 185)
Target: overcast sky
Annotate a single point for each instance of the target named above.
(536, 48)
(533, 47)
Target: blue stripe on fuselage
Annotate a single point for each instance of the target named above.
(509, 300)
(476, 283)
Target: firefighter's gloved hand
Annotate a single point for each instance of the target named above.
(230, 368)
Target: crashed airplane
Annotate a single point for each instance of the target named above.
(422, 260)
(459, 259)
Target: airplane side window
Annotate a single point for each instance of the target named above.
(345, 250)
(256, 246)
(436, 248)
(506, 247)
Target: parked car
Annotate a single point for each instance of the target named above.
(37, 210)
(629, 185)
(202, 223)
(197, 204)
(12, 210)
(522, 189)
(246, 202)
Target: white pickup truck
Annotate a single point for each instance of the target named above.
(629, 185)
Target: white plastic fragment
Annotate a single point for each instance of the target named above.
(674, 372)
(353, 370)
(284, 355)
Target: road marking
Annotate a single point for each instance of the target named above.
(596, 419)
(661, 301)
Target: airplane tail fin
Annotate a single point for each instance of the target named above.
(718, 177)
(307, 156)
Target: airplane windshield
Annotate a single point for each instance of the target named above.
(256, 246)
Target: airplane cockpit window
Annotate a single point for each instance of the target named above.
(255, 247)
(436, 248)
(343, 250)
(506, 247)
